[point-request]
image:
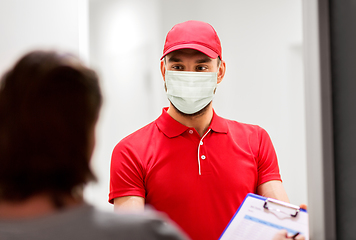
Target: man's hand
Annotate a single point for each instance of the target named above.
(283, 235)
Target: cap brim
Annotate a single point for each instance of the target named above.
(207, 51)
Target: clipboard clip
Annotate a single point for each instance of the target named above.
(295, 209)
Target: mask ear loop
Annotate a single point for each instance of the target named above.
(165, 86)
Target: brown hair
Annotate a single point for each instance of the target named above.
(49, 104)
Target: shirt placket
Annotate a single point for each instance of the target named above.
(201, 155)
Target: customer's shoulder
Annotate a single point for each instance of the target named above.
(124, 218)
(143, 225)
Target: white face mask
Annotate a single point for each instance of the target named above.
(190, 92)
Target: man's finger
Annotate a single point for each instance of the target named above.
(303, 206)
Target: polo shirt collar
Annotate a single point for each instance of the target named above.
(172, 128)
(218, 124)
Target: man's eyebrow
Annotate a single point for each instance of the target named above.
(203, 60)
(174, 59)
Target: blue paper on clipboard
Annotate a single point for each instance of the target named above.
(261, 218)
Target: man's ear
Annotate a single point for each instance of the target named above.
(221, 71)
(163, 69)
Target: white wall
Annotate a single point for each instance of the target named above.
(32, 24)
(262, 46)
(123, 38)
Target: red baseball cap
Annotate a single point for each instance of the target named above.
(193, 34)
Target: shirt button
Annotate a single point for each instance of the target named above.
(201, 143)
(203, 157)
(191, 131)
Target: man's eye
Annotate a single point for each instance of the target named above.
(177, 67)
(202, 68)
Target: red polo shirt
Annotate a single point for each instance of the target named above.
(198, 181)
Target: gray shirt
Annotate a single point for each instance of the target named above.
(85, 222)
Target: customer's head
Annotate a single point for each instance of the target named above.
(49, 104)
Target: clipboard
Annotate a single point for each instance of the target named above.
(261, 218)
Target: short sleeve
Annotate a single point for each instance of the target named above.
(267, 162)
(126, 173)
